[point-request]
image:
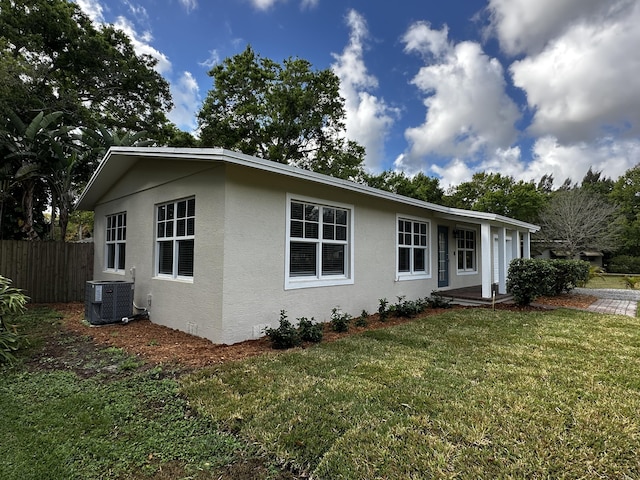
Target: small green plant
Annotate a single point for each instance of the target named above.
(436, 300)
(129, 364)
(594, 272)
(309, 331)
(363, 319)
(285, 336)
(12, 302)
(339, 320)
(383, 309)
(408, 308)
(631, 282)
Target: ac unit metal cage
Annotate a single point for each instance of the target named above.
(108, 301)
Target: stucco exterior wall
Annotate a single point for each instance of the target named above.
(255, 245)
(194, 307)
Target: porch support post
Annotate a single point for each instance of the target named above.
(526, 244)
(502, 260)
(515, 244)
(485, 259)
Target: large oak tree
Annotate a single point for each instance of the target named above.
(287, 113)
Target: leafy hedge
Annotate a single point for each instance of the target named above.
(532, 277)
(624, 264)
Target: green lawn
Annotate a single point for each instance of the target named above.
(467, 394)
(83, 412)
(607, 281)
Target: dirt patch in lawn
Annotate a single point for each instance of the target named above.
(162, 345)
(569, 300)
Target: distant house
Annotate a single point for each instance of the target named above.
(594, 257)
(218, 242)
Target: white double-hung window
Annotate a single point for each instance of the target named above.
(175, 237)
(319, 249)
(413, 248)
(115, 242)
(466, 250)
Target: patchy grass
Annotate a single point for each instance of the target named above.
(467, 394)
(70, 410)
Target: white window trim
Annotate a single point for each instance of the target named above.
(156, 264)
(291, 283)
(475, 249)
(114, 270)
(403, 276)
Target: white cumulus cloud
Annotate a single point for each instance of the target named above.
(142, 46)
(584, 84)
(186, 100)
(93, 9)
(368, 117)
(525, 26)
(468, 111)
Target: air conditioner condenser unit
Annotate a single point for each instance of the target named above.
(108, 301)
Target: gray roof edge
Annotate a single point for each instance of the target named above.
(232, 157)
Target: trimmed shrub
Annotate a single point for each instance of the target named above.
(529, 278)
(363, 319)
(436, 300)
(285, 336)
(309, 331)
(383, 309)
(408, 308)
(568, 275)
(339, 321)
(624, 264)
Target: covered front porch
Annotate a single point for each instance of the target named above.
(489, 243)
(473, 295)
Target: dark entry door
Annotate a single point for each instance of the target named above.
(443, 256)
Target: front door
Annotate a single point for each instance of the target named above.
(443, 256)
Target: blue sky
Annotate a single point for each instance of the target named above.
(520, 87)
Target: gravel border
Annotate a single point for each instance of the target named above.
(613, 293)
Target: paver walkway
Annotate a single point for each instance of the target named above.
(616, 301)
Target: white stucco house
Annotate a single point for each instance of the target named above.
(218, 242)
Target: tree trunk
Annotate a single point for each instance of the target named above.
(27, 205)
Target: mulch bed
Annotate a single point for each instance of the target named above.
(163, 345)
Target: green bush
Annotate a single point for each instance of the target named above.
(383, 309)
(12, 302)
(285, 336)
(624, 264)
(363, 319)
(408, 308)
(436, 300)
(309, 331)
(529, 278)
(339, 321)
(568, 275)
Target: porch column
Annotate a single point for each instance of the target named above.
(526, 244)
(515, 244)
(502, 260)
(485, 259)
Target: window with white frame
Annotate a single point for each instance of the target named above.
(466, 247)
(318, 244)
(413, 248)
(175, 236)
(116, 242)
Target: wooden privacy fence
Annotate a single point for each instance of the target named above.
(49, 272)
